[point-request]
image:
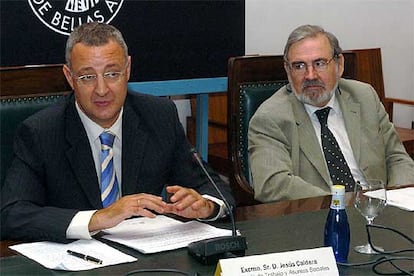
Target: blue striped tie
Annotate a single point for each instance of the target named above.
(109, 183)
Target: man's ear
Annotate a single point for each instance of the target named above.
(286, 66)
(68, 75)
(341, 66)
(128, 71)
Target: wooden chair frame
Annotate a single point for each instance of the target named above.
(32, 79)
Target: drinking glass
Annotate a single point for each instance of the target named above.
(370, 200)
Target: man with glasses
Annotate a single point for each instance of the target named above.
(103, 154)
(321, 129)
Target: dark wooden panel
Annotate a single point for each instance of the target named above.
(39, 79)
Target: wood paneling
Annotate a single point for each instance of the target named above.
(38, 79)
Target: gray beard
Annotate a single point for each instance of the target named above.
(324, 97)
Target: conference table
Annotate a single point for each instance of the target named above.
(268, 228)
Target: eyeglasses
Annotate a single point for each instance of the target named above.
(319, 65)
(109, 77)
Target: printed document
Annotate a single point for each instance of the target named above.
(54, 255)
(151, 235)
(402, 198)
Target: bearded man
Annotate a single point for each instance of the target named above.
(321, 129)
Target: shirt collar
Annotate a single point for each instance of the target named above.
(94, 130)
(333, 104)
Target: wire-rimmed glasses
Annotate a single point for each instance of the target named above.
(92, 79)
(319, 65)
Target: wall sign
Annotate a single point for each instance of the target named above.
(167, 39)
(63, 16)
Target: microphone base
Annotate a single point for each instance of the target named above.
(209, 251)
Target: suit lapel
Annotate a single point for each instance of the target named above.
(80, 158)
(351, 112)
(134, 139)
(308, 140)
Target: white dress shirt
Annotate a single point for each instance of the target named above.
(78, 227)
(337, 126)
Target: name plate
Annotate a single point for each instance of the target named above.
(317, 261)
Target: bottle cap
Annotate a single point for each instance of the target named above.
(338, 190)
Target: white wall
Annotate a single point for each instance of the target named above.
(184, 111)
(387, 24)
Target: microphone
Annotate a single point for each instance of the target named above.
(209, 251)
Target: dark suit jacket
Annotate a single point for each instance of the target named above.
(53, 174)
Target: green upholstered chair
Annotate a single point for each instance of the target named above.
(251, 80)
(13, 111)
(24, 91)
(251, 97)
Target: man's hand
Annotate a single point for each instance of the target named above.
(126, 207)
(188, 203)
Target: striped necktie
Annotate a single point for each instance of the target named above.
(337, 166)
(109, 183)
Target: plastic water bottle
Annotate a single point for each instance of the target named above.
(337, 227)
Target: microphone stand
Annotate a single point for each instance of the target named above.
(209, 251)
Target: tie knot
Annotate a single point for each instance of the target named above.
(322, 115)
(107, 138)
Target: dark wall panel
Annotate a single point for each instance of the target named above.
(166, 39)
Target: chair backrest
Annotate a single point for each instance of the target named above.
(24, 90)
(32, 79)
(251, 80)
(13, 111)
(251, 97)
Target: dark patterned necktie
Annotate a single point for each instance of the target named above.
(109, 183)
(337, 166)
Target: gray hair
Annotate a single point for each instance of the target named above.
(94, 34)
(306, 31)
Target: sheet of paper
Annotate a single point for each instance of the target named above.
(54, 256)
(402, 198)
(161, 233)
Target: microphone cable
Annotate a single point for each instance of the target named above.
(392, 260)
